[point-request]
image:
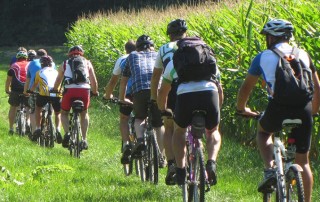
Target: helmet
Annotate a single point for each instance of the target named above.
(46, 61)
(278, 27)
(22, 54)
(144, 40)
(76, 50)
(32, 54)
(177, 26)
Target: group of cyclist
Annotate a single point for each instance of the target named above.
(146, 69)
(34, 75)
(150, 76)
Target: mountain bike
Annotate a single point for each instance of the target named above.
(197, 182)
(149, 161)
(21, 117)
(75, 142)
(289, 184)
(128, 168)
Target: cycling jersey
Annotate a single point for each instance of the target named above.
(34, 66)
(265, 63)
(68, 74)
(165, 54)
(45, 78)
(193, 86)
(118, 67)
(18, 72)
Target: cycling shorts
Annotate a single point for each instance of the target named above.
(202, 100)
(272, 118)
(172, 96)
(140, 108)
(41, 101)
(125, 109)
(15, 99)
(72, 94)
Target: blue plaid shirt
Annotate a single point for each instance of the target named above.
(139, 66)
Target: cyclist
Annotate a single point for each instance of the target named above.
(176, 30)
(204, 95)
(33, 67)
(16, 78)
(44, 81)
(125, 110)
(73, 90)
(139, 66)
(31, 54)
(14, 58)
(278, 32)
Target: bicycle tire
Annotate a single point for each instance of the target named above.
(77, 144)
(127, 168)
(142, 169)
(153, 159)
(22, 131)
(19, 131)
(50, 131)
(196, 188)
(294, 185)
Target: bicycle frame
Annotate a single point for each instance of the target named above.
(75, 129)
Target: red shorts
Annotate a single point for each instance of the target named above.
(71, 94)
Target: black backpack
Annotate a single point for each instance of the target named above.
(194, 60)
(293, 84)
(77, 65)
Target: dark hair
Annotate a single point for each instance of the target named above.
(46, 61)
(41, 52)
(130, 46)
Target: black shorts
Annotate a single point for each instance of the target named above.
(172, 96)
(271, 121)
(140, 108)
(202, 100)
(125, 109)
(41, 101)
(15, 98)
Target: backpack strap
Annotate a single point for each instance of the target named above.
(278, 52)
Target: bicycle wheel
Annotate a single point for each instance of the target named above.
(22, 121)
(19, 123)
(142, 169)
(153, 160)
(76, 139)
(294, 185)
(50, 133)
(196, 187)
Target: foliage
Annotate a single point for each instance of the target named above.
(231, 29)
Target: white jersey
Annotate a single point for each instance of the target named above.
(187, 87)
(118, 65)
(165, 54)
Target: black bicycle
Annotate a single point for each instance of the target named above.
(75, 142)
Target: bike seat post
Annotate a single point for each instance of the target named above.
(198, 123)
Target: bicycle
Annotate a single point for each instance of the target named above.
(289, 184)
(197, 183)
(149, 161)
(75, 141)
(21, 117)
(128, 168)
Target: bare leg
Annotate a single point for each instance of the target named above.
(159, 134)
(179, 146)
(303, 161)
(167, 138)
(38, 117)
(213, 143)
(139, 126)
(65, 120)
(12, 115)
(58, 120)
(124, 128)
(84, 123)
(265, 146)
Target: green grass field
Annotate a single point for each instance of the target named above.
(31, 173)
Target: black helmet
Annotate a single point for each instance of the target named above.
(177, 26)
(31, 54)
(46, 61)
(76, 50)
(144, 41)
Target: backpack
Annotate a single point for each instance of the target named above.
(194, 60)
(293, 84)
(77, 65)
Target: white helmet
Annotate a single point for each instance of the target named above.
(278, 27)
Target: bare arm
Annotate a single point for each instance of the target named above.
(163, 95)
(123, 87)
(244, 93)
(316, 93)
(110, 87)
(59, 78)
(155, 82)
(93, 80)
(8, 83)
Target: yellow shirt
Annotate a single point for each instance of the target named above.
(45, 79)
